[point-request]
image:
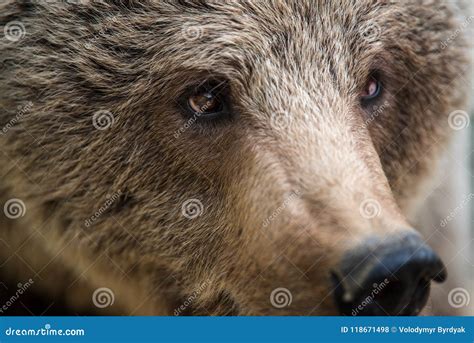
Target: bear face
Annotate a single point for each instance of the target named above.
(246, 145)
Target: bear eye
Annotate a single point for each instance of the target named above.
(372, 89)
(206, 101)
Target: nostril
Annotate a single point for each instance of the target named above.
(390, 279)
(388, 296)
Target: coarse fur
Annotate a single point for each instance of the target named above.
(281, 182)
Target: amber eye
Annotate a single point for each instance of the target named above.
(202, 103)
(206, 101)
(371, 89)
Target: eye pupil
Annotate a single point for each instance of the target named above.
(207, 102)
(371, 89)
(203, 102)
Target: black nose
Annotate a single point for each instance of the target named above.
(387, 278)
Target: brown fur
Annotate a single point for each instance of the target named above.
(303, 58)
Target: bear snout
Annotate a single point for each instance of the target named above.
(391, 277)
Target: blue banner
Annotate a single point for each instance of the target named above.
(237, 329)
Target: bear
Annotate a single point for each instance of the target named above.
(228, 157)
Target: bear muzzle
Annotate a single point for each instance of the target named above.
(389, 277)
